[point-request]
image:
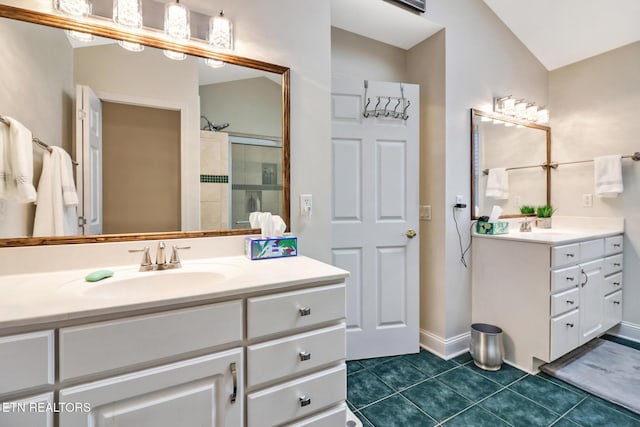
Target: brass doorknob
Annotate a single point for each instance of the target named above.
(411, 233)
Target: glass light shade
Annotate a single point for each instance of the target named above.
(130, 46)
(520, 108)
(221, 32)
(543, 115)
(508, 106)
(532, 112)
(72, 7)
(176, 21)
(128, 13)
(83, 37)
(214, 63)
(176, 56)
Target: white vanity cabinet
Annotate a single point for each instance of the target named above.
(548, 298)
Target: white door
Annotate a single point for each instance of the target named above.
(375, 213)
(89, 158)
(206, 391)
(591, 300)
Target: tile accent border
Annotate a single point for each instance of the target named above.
(445, 348)
(214, 179)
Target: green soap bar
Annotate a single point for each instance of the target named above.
(98, 275)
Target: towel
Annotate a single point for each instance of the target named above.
(16, 170)
(608, 175)
(56, 213)
(498, 184)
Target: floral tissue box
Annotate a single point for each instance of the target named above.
(498, 227)
(270, 247)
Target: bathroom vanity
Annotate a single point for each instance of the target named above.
(262, 344)
(549, 290)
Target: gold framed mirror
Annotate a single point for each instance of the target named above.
(274, 172)
(523, 149)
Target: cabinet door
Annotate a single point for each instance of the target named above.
(565, 334)
(612, 310)
(195, 392)
(35, 411)
(591, 300)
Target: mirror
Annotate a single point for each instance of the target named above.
(224, 132)
(523, 149)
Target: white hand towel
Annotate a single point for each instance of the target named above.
(21, 162)
(498, 184)
(69, 194)
(608, 175)
(5, 170)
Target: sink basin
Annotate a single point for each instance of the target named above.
(133, 284)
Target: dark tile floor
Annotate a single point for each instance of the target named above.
(424, 390)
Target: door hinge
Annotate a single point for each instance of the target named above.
(82, 114)
(82, 221)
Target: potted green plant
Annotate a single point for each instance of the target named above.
(527, 210)
(544, 216)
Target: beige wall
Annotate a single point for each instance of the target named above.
(251, 106)
(354, 56)
(36, 88)
(594, 112)
(140, 169)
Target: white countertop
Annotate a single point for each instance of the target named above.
(41, 298)
(565, 230)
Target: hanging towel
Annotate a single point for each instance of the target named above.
(21, 162)
(608, 175)
(5, 169)
(498, 184)
(56, 213)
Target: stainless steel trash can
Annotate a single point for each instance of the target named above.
(487, 347)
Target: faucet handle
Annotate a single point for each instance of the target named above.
(175, 259)
(161, 259)
(145, 264)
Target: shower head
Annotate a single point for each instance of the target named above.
(210, 126)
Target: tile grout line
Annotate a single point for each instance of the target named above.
(569, 410)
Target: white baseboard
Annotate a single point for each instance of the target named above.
(628, 330)
(445, 348)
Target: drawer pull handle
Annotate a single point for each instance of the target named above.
(305, 311)
(570, 301)
(304, 355)
(616, 283)
(586, 278)
(616, 264)
(570, 325)
(234, 375)
(617, 245)
(304, 401)
(616, 302)
(570, 255)
(569, 279)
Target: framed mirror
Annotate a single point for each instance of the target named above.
(187, 150)
(522, 149)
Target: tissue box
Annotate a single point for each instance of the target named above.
(270, 247)
(498, 227)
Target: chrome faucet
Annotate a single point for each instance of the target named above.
(161, 259)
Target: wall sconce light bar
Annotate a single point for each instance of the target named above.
(520, 109)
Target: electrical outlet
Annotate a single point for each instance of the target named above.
(587, 200)
(459, 200)
(306, 205)
(425, 212)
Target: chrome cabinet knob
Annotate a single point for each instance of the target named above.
(305, 311)
(304, 355)
(304, 401)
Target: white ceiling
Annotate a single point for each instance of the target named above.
(557, 32)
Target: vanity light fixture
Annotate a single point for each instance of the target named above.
(176, 26)
(220, 37)
(128, 14)
(520, 109)
(77, 9)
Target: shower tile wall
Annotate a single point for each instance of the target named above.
(214, 187)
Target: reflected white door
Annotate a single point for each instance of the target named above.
(89, 158)
(375, 213)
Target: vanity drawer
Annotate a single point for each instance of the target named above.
(297, 309)
(591, 249)
(116, 344)
(612, 283)
(26, 361)
(565, 278)
(612, 310)
(296, 399)
(279, 358)
(612, 264)
(566, 254)
(613, 245)
(331, 418)
(565, 301)
(565, 333)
